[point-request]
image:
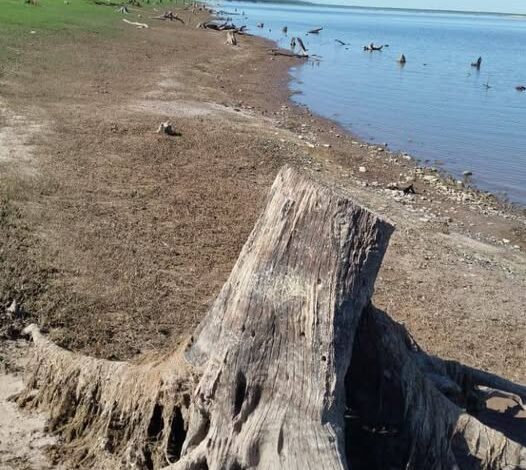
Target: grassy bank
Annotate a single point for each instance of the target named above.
(45, 22)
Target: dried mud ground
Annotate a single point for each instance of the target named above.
(115, 239)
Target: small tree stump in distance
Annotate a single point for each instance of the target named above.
(231, 39)
(166, 128)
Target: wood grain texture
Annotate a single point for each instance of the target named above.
(276, 345)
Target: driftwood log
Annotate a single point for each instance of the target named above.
(285, 53)
(168, 15)
(226, 26)
(136, 23)
(292, 367)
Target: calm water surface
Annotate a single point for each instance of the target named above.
(436, 107)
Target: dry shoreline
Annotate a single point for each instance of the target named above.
(116, 239)
(444, 179)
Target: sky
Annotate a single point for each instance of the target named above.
(504, 6)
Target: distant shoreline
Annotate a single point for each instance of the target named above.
(502, 189)
(393, 9)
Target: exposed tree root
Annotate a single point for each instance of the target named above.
(292, 367)
(117, 414)
(398, 410)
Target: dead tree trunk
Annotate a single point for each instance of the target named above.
(286, 370)
(274, 349)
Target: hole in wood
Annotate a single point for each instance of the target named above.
(241, 388)
(176, 437)
(156, 423)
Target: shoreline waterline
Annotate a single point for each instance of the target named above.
(392, 110)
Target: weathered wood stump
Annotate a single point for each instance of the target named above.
(287, 369)
(275, 347)
(231, 39)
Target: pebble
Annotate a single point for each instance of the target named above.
(362, 169)
(430, 178)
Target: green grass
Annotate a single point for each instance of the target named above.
(55, 16)
(60, 15)
(23, 25)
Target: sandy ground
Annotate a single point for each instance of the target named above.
(23, 439)
(115, 239)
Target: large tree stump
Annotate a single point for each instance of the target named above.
(291, 368)
(275, 347)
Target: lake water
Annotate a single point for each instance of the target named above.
(437, 107)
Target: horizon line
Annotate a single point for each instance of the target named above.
(365, 7)
(428, 10)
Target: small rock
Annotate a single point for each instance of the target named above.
(13, 308)
(430, 178)
(166, 128)
(467, 173)
(505, 241)
(362, 169)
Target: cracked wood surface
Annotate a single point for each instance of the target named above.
(276, 345)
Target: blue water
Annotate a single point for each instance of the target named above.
(436, 107)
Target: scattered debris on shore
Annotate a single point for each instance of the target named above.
(136, 23)
(168, 15)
